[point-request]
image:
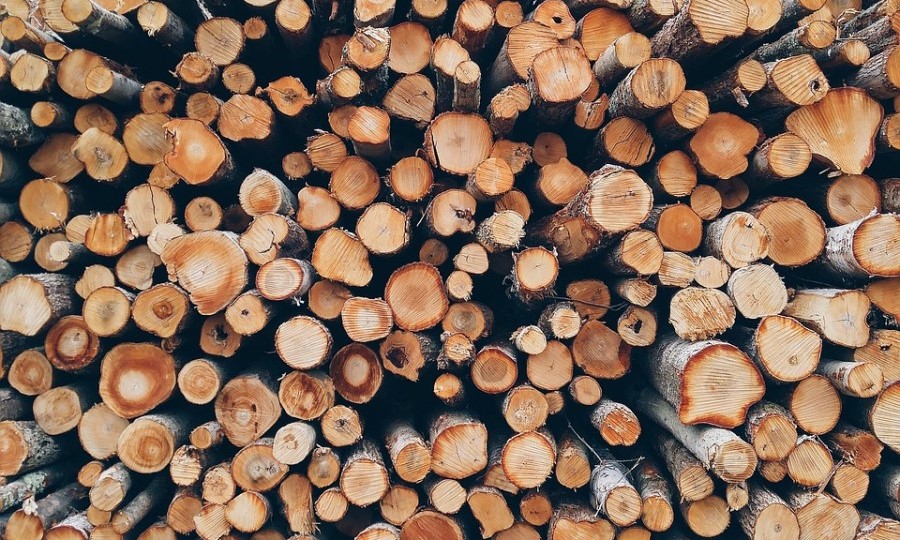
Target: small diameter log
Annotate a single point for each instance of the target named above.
(162, 310)
(356, 372)
(285, 278)
(111, 488)
(721, 146)
(684, 116)
(273, 236)
(676, 366)
(30, 372)
(408, 452)
(99, 430)
(263, 193)
(562, 320)
(779, 90)
(677, 228)
(771, 430)
(445, 152)
(522, 44)
(807, 238)
(255, 468)
(534, 274)
(59, 409)
(673, 175)
(411, 179)
(341, 257)
(427, 523)
(621, 56)
(341, 426)
(721, 451)
(293, 442)
(446, 495)
(612, 493)
(129, 362)
(148, 444)
(616, 423)
(186, 257)
(626, 141)
(849, 484)
(699, 313)
(369, 131)
(767, 514)
(708, 517)
(857, 379)
(70, 345)
(573, 466)
(585, 390)
(571, 520)
(113, 86)
(364, 478)
(690, 33)
(657, 513)
(200, 380)
(505, 107)
(490, 509)
(141, 505)
(449, 389)
(738, 238)
(810, 463)
(782, 348)
(847, 198)
(691, 479)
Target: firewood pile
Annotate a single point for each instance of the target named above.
(419, 269)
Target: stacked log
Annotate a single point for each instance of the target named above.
(291, 269)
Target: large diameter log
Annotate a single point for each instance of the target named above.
(614, 201)
(451, 154)
(32, 521)
(695, 30)
(684, 372)
(720, 450)
(837, 315)
(879, 414)
(25, 446)
(197, 155)
(822, 517)
(556, 80)
(212, 281)
(135, 378)
(863, 248)
(458, 445)
(247, 407)
(842, 110)
(30, 303)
